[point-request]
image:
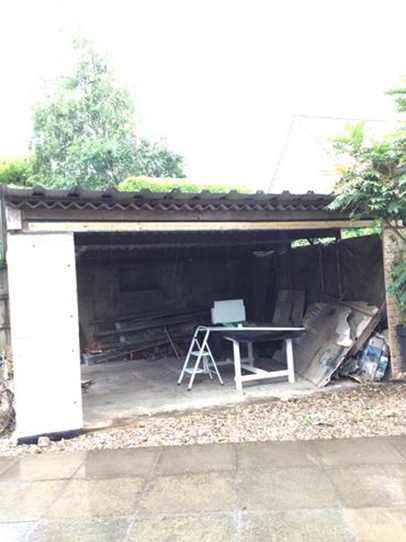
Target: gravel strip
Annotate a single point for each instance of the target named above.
(368, 410)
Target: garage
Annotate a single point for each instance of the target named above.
(119, 281)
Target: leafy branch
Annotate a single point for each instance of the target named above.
(373, 184)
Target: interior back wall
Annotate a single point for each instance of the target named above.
(110, 290)
(315, 269)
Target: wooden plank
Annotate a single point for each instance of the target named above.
(366, 333)
(188, 226)
(289, 308)
(321, 269)
(116, 215)
(333, 334)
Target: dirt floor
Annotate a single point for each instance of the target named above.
(368, 410)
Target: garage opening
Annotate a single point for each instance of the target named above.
(141, 295)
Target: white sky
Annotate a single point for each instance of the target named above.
(219, 79)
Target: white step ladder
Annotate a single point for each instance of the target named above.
(201, 351)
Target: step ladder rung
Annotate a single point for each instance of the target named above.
(199, 371)
(200, 349)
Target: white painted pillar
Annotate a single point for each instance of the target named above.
(45, 334)
(289, 358)
(237, 365)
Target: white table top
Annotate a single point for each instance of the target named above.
(250, 328)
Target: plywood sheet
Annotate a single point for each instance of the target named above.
(331, 331)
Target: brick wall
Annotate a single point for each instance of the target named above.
(391, 245)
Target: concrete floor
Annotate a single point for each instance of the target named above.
(314, 491)
(123, 391)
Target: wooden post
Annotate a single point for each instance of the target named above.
(321, 269)
(339, 272)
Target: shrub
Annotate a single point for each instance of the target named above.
(166, 185)
(16, 170)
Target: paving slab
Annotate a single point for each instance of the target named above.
(399, 442)
(95, 498)
(259, 455)
(93, 530)
(300, 525)
(197, 459)
(199, 527)
(25, 501)
(357, 451)
(377, 524)
(16, 532)
(44, 467)
(370, 486)
(285, 489)
(6, 462)
(190, 493)
(118, 463)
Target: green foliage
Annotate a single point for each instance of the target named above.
(361, 232)
(313, 241)
(134, 184)
(154, 160)
(353, 139)
(84, 131)
(400, 97)
(16, 170)
(373, 184)
(398, 286)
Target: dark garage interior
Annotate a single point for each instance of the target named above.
(141, 294)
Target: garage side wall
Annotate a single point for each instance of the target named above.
(45, 335)
(391, 245)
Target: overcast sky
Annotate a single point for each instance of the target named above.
(219, 79)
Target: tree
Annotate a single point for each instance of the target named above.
(373, 184)
(84, 131)
(154, 160)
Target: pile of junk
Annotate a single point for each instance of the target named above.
(342, 339)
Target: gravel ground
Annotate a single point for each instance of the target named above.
(368, 410)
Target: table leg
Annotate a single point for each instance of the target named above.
(289, 357)
(237, 365)
(250, 353)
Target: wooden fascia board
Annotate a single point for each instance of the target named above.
(129, 215)
(190, 226)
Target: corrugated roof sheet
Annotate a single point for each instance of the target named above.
(40, 197)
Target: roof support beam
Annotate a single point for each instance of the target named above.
(190, 226)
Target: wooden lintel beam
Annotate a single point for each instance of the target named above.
(128, 215)
(189, 226)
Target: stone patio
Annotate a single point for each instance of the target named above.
(335, 490)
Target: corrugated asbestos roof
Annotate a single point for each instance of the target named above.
(39, 197)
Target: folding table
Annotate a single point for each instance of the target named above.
(238, 334)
